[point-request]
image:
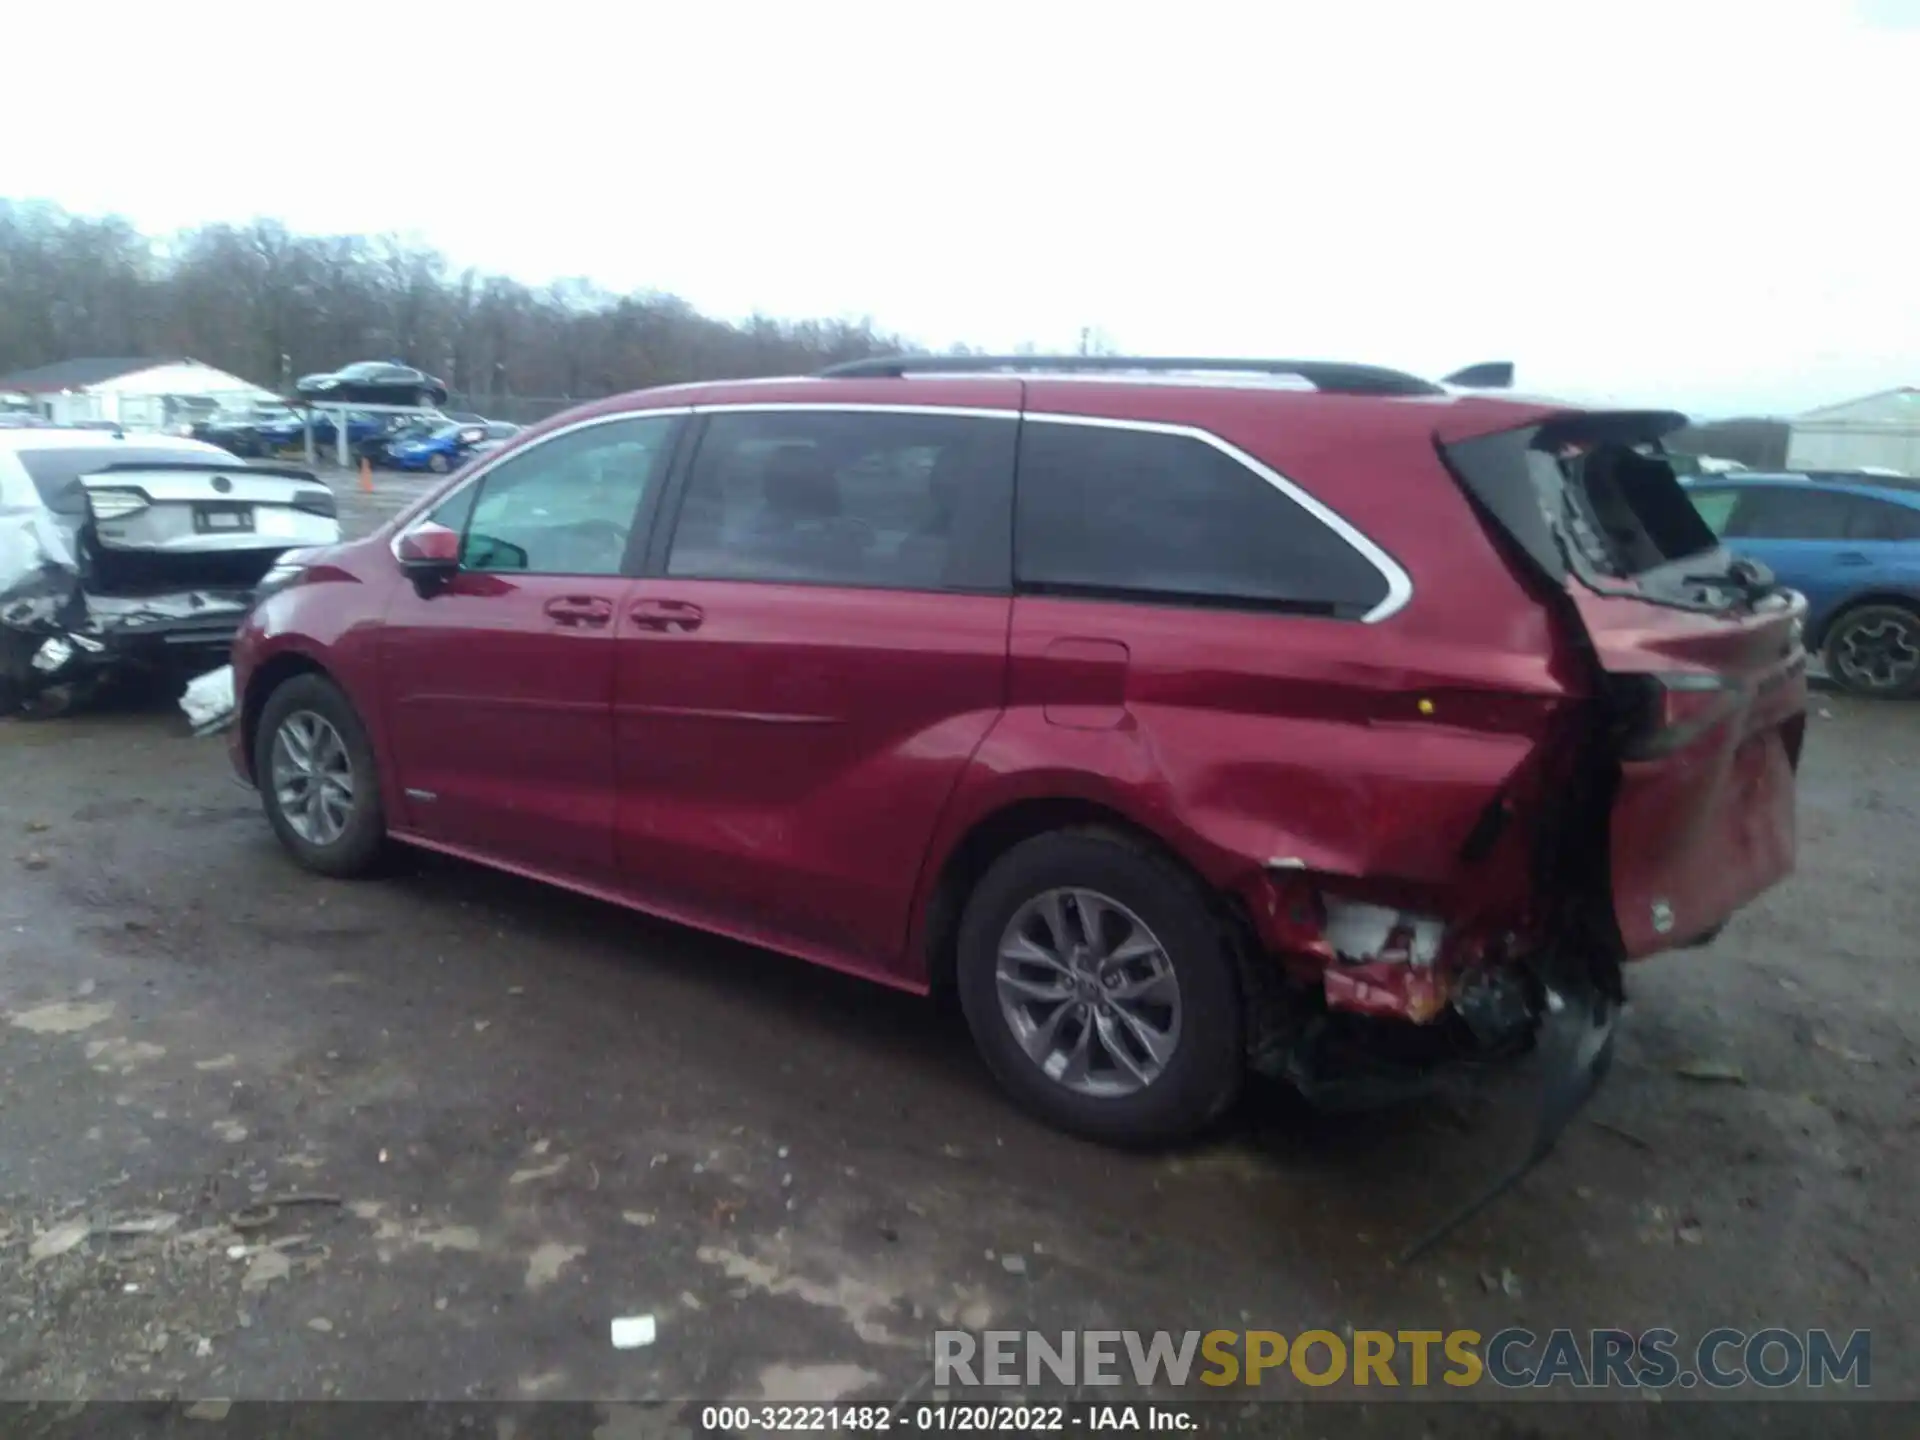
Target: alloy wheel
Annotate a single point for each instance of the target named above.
(1882, 653)
(312, 777)
(1089, 992)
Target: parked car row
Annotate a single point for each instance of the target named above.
(437, 442)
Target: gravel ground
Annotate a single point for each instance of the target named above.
(494, 1118)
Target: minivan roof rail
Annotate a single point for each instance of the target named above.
(1330, 375)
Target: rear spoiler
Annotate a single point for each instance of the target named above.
(209, 465)
(1489, 375)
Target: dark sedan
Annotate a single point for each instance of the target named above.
(372, 382)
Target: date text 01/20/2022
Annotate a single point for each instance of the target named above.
(955, 1418)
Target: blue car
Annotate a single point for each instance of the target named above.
(446, 448)
(361, 426)
(1848, 541)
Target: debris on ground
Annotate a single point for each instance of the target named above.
(264, 1268)
(58, 1240)
(1721, 1071)
(632, 1332)
(1506, 1283)
(1620, 1132)
(549, 1258)
(256, 1217)
(1845, 1052)
(158, 1223)
(208, 701)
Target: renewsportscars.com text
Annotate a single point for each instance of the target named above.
(1511, 1359)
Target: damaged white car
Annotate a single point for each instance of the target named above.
(134, 553)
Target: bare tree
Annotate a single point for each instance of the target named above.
(264, 302)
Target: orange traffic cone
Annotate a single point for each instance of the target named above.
(366, 475)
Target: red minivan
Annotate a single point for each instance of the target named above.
(1181, 717)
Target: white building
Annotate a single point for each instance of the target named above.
(142, 393)
(1875, 432)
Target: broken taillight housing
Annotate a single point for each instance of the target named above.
(1359, 933)
(116, 504)
(1664, 712)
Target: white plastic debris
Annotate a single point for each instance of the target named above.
(209, 701)
(58, 1241)
(632, 1332)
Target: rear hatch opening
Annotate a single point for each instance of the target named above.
(1680, 807)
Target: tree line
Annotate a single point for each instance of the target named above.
(267, 304)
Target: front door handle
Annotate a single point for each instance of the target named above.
(667, 615)
(580, 610)
(1852, 557)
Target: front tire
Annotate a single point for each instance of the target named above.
(1875, 650)
(318, 780)
(438, 464)
(1101, 990)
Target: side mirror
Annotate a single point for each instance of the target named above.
(429, 556)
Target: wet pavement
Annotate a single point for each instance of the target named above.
(265, 1135)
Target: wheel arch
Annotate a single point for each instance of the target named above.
(991, 836)
(271, 674)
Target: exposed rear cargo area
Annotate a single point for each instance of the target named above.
(1697, 658)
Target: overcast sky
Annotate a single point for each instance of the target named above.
(1709, 204)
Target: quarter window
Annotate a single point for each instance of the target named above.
(901, 501)
(1170, 518)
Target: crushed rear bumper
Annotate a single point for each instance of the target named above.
(78, 638)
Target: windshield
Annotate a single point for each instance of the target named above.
(56, 473)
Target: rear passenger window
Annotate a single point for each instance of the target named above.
(1131, 513)
(1785, 512)
(1870, 519)
(900, 501)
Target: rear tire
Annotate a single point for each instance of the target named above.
(318, 780)
(1874, 650)
(1108, 927)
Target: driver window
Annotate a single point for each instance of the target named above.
(567, 506)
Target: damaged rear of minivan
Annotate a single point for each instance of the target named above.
(134, 555)
(1657, 801)
(1697, 662)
